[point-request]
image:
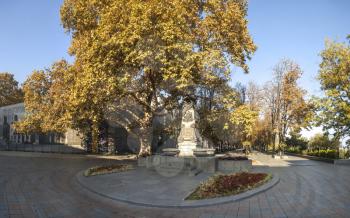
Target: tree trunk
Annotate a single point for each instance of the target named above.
(94, 134)
(145, 141)
(146, 135)
(277, 142)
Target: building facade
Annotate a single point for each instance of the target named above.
(8, 135)
(114, 137)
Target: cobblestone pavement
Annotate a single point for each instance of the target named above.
(46, 187)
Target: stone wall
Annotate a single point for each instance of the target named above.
(120, 117)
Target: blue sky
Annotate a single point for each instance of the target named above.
(32, 37)
(294, 29)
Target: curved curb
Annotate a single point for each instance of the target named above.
(189, 203)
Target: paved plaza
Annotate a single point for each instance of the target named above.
(46, 186)
(160, 188)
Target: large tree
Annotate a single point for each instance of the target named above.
(245, 118)
(244, 115)
(334, 76)
(153, 53)
(47, 100)
(215, 105)
(285, 101)
(62, 97)
(323, 141)
(10, 92)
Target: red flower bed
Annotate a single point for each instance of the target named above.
(100, 170)
(224, 185)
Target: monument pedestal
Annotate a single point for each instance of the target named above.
(186, 149)
(189, 138)
(173, 165)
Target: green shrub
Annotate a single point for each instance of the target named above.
(322, 153)
(332, 154)
(296, 140)
(344, 153)
(329, 153)
(323, 142)
(312, 153)
(295, 150)
(304, 152)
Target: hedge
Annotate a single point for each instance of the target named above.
(329, 153)
(333, 154)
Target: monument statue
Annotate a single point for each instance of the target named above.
(192, 154)
(189, 137)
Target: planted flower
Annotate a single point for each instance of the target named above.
(100, 170)
(225, 185)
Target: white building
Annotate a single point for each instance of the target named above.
(12, 113)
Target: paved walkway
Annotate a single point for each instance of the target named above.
(46, 187)
(159, 188)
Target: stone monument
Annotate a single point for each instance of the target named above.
(189, 156)
(189, 138)
(193, 154)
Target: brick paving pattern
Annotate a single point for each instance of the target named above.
(46, 187)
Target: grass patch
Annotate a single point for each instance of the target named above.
(100, 170)
(225, 185)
